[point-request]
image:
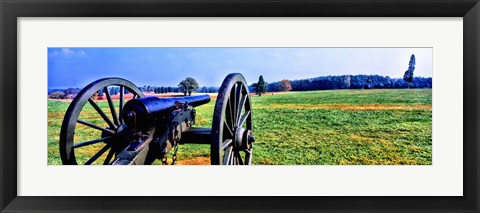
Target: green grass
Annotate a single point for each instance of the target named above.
(353, 127)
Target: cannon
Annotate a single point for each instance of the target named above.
(145, 129)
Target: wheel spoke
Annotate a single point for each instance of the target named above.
(226, 143)
(248, 156)
(228, 128)
(240, 107)
(98, 154)
(109, 157)
(86, 123)
(244, 118)
(229, 114)
(94, 141)
(233, 160)
(233, 103)
(120, 111)
(227, 156)
(239, 158)
(238, 93)
(110, 104)
(100, 111)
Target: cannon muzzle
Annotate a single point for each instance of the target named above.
(143, 113)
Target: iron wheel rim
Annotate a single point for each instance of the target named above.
(67, 133)
(232, 119)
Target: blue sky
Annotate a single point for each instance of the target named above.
(76, 67)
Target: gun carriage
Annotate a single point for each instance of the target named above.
(144, 129)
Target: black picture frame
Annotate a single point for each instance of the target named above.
(10, 10)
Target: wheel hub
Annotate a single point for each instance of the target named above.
(121, 136)
(120, 129)
(243, 138)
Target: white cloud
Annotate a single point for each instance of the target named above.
(277, 54)
(67, 52)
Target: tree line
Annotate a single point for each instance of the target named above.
(186, 87)
(348, 82)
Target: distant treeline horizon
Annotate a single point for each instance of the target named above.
(330, 82)
(351, 82)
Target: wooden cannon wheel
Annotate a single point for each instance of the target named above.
(113, 133)
(232, 133)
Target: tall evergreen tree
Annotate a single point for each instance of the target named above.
(261, 86)
(408, 76)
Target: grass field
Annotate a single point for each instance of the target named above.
(351, 127)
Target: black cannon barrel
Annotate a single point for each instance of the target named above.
(142, 113)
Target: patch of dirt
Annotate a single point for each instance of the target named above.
(60, 100)
(351, 107)
(268, 93)
(384, 143)
(361, 138)
(195, 161)
(213, 96)
(366, 91)
(117, 97)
